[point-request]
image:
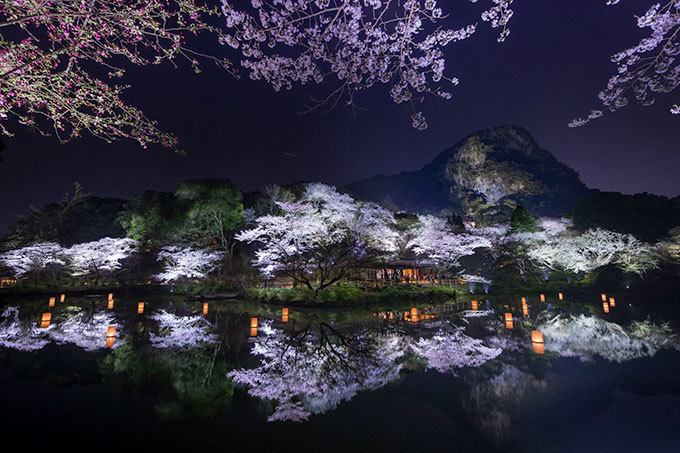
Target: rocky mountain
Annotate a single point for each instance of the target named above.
(483, 177)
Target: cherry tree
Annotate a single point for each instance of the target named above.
(437, 241)
(187, 263)
(102, 256)
(360, 42)
(34, 259)
(647, 68)
(319, 238)
(87, 330)
(50, 52)
(23, 335)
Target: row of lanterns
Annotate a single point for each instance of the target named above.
(607, 303)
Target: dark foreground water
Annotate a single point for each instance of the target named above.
(250, 377)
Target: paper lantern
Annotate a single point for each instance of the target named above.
(604, 297)
(475, 305)
(45, 320)
(110, 336)
(508, 317)
(542, 297)
(560, 296)
(52, 300)
(284, 315)
(525, 309)
(539, 348)
(536, 336)
(605, 307)
(110, 306)
(140, 308)
(253, 331)
(612, 302)
(62, 298)
(405, 316)
(110, 296)
(414, 311)
(110, 341)
(524, 299)
(253, 323)
(205, 308)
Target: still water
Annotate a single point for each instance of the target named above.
(104, 372)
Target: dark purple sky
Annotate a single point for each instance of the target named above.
(548, 71)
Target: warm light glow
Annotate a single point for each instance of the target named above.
(110, 341)
(612, 302)
(604, 297)
(508, 324)
(508, 317)
(52, 300)
(205, 308)
(111, 332)
(62, 298)
(605, 307)
(405, 316)
(525, 309)
(536, 336)
(110, 296)
(414, 312)
(542, 297)
(110, 306)
(284, 315)
(253, 323)
(524, 299)
(475, 305)
(45, 320)
(539, 348)
(253, 331)
(560, 296)
(140, 308)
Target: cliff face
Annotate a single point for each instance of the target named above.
(482, 177)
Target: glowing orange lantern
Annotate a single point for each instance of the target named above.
(414, 312)
(140, 308)
(536, 336)
(524, 299)
(605, 307)
(560, 296)
(525, 309)
(45, 320)
(604, 297)
(405, 316)
(110, 306)
(253, 331)
(253, 323)
(612, 302)
(475, 305)
(542, 297)
(284, 315)
(52, 300)
(205, 308)
(539, 348)
(110, 296)
(62, 298)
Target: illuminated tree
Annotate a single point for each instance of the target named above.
(98, 257)
(437, 241)
(647, 68)
(181, 331)
(48, 48)
(35, 259)
(320, 237)
(359, 42)
(187, 263)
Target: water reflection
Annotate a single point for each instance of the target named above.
(295, 363)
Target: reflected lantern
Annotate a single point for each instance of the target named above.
(110, 296)
(284, 315)
(140, 308)
(110, 306)
(475, 305)
(62, 298)
(542, 297)
(110, 336)
(253, 331)
(605, 307)
(52, 300)
(253, 323)
(560, 296)
(539, 348)
(524, 300)
(604, 297)
(205, 308)
(508, 321)
(612, 302)
(536, 336)
(525, 309)
(45, 320)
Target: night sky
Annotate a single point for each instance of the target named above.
(548, 71)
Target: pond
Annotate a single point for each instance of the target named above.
(128, 371)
